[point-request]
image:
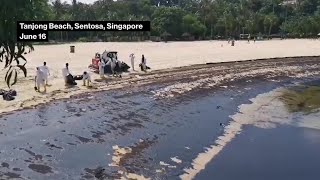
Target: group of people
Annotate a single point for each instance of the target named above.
(69, 79)
(42, 74)
(106, 60)
(143, 64)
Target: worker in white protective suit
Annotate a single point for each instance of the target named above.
(65, 73)
(101, 65)
(112, 63)
(132, 60)
(40, 80)
(45, 71)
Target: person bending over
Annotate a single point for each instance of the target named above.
(86, 78)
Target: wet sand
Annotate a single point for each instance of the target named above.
(157, 129)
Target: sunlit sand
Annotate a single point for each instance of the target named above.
(159, 56)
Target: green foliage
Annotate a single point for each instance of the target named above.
(192, 25)
(12, 52)
(167, 19)
(197, 18)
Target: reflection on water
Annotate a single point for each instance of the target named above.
(302, 99)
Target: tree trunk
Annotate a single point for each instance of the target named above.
(211, 32)
(270, 28)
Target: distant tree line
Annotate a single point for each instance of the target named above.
(195, 19)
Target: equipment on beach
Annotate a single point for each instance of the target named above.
(123, 67)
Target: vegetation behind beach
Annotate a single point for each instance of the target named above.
(193, 19)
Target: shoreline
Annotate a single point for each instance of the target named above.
(159, 76)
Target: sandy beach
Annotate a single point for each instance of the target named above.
(159, 56)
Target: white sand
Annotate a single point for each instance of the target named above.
(159, 56)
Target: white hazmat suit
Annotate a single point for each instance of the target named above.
(132, 60)
(112, 63)
(40, 79)
(101, 65)
(46, 73)
(65, 73)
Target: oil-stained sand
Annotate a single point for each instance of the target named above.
(141, 130)
(304, 99)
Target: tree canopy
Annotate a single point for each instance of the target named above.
(12, 52)
(203, 19)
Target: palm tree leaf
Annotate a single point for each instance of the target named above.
(23, 68)
(8, 79)
(15, 78)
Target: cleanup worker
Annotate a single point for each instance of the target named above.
(143, 63)
(112, 63)
(132, 60)
(65, 73)
(86, 77)
(40, 80)
(45, 71)
(101, 65)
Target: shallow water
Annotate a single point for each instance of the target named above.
(74, 139)
(283, 153)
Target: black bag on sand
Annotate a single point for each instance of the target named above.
(7, 97)
(78, 77)
(141, 67)
(2, 91)
(70, 80)
(124, 67)
(12, 92)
